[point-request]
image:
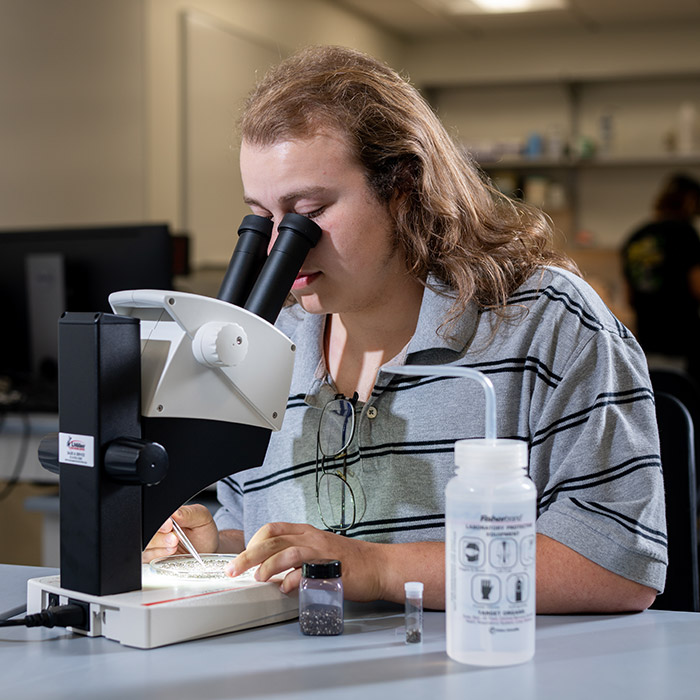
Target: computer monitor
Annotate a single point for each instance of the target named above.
(46, 272)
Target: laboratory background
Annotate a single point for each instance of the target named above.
(116, 112)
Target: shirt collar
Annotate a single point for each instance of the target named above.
(434, 310)
(311, 374)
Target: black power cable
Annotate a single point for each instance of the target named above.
(71, 615)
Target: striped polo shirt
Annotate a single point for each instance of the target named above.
(570, 380)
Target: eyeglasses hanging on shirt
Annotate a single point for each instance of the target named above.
(335, 498)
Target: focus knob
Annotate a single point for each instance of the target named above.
(218, 344)
(135, 461)
(48, 453)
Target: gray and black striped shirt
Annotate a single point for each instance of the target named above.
(570, 380)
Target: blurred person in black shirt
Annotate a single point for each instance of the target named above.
(662, 268)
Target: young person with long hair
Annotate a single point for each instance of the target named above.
(422, 261)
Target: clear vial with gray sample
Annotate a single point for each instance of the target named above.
(321, 598)
(414, 612)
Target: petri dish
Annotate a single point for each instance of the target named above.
(186, 567)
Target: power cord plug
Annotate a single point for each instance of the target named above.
(70, 615)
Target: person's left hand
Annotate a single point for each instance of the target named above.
(278, 547)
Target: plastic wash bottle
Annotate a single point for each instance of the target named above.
(490, 554)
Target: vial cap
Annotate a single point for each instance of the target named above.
(321, 568)
(413, 589)
(491, 454)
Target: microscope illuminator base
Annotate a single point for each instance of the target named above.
(168, 612)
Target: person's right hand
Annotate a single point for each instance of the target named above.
(199, 526)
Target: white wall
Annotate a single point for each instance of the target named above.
(517, 56)
(72, 109)
(268, 27)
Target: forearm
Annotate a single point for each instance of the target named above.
(414, 561)
(566, 581)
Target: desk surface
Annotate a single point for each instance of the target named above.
(654, 654)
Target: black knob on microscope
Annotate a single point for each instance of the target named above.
(48, 453)
(135, 461)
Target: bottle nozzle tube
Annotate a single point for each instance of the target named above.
(247, 260)
(446, 371)
(296, 236)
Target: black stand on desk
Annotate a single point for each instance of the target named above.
(98, 400)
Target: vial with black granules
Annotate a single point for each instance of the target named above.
(414, 612)
(321, 598)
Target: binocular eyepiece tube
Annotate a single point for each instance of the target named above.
(267, 281)
(248, 257)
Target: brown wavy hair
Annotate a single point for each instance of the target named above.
(449, 219)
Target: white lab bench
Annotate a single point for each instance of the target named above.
(655, 654)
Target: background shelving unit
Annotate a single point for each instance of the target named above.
(608, 141)
(591, 152)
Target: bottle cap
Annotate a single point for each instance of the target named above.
(321, 568)
(491, 454)
(413, 589)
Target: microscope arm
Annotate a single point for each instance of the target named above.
(215, 381)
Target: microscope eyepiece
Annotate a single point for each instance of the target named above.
(302, 226)
(247, 260)
(296, 236)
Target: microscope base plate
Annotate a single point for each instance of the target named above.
(166, 611)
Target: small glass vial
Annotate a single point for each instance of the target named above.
(321, 598)
(414, 612)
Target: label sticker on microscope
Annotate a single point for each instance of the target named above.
(76, 449)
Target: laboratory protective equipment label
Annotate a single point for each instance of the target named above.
(493, 568)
